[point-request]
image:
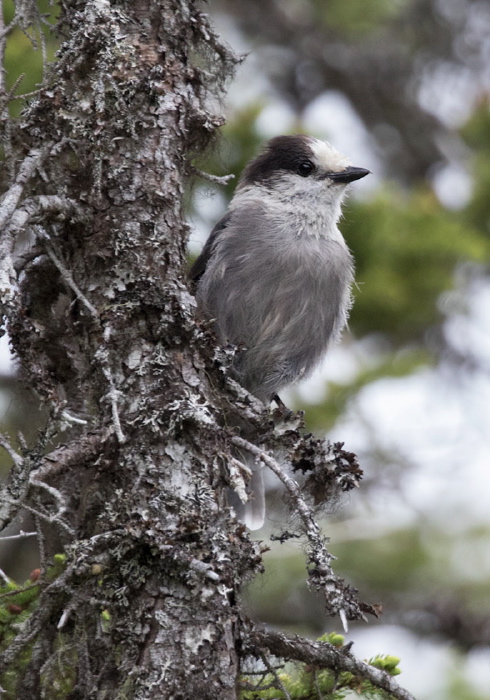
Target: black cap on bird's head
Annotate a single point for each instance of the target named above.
(300, 155)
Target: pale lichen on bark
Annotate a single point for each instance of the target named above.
(103, 326)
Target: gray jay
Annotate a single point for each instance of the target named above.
(275, 274)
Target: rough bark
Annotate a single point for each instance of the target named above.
(101, 319)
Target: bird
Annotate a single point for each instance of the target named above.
(275, 274)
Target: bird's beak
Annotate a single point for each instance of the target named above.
(348, 175)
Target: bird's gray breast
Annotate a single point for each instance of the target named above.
(280, 292)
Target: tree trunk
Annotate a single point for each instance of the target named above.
(102, 322)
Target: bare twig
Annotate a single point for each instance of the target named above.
(20, 536)
(67, 277)
(6, 98)
(16, 591)
(21, 478)
(14, 491)
(102, 354)
(6, 29)
(265, 659)
(15, 456)
(50, 518)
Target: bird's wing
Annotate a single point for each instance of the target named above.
(199, 267)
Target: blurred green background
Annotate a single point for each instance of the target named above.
(402, 87)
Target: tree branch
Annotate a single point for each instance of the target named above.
(35, 207)
(339, 598)
(324, 655)
(27, 168)
(215, 179)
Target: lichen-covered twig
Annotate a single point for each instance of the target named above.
(11, 198)
(36, 207)
(67, 276)
(113, 394)
(339, 598)
(19, 536)
(15, 493)
(215, 179)
(264, 655)
(103, 353)
(8, 205)
(59, 499)
(324, 655)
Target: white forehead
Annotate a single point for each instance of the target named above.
(327, 157)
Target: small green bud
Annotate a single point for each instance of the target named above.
(391, 662)
(337, 640)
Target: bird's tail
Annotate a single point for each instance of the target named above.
(249, 503)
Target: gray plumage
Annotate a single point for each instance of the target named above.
(283, 298)
(275, 273)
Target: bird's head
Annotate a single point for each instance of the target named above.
(301, 166)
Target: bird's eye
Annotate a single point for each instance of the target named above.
(305, 168)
